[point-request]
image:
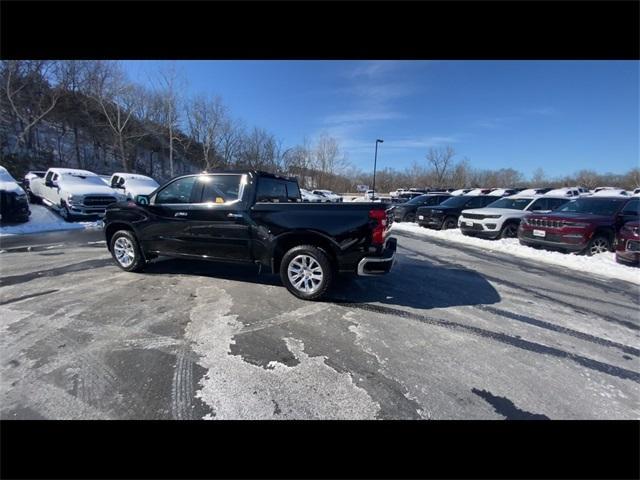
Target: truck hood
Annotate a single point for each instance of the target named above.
(512, 212)
(79, 189)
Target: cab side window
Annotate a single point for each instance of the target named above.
(49, 176)
(179, 191)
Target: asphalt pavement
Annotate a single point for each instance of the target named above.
(452, 332)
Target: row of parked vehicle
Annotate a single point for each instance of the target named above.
(571, 192)
(319, 196)
(73, 193)
(589, 223)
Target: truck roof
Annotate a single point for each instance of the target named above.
(256, 173)
(73, 171)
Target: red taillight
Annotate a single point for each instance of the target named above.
(380, 216)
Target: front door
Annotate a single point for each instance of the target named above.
(170, 209)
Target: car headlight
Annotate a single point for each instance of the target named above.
(492, 216)
(73, 198)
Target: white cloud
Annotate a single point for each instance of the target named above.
(361, 117)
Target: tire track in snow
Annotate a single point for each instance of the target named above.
(182, 387)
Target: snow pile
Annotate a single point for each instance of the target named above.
(44, 220)
(603, 265)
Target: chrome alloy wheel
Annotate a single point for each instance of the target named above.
(305, 273)
(599, 245)
(125, 253)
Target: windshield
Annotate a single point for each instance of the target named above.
(512, 203)
(455, 201)
(88, 179)
(594, 206)
(417, 200)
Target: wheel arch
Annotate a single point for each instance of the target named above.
(289, 240)
(112, 228)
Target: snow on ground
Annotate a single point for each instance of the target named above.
(44, 220)
(603, 265)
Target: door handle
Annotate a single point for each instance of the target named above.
(180, 214)
(234, 215)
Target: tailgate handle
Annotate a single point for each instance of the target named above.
(234, 215)
(180, 214)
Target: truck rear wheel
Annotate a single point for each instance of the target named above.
(306, 271)
(126, 251)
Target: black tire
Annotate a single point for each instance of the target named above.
(65, 213)
(598, 244)
(449, 223)
(509, 230)
(138, 262)
(409, 217)
(296, 257)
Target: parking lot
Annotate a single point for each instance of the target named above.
(453, 332)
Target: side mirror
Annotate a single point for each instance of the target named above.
(142, 199)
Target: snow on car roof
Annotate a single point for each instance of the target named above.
(561, 191)
(132, 176)
(73, 171)
(611, 192)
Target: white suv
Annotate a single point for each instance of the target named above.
(501, 218)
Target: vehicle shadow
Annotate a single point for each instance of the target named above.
(226, 271)
(411, 283)
(417, 284)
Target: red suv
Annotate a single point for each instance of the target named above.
(588, 224)
(628, 244)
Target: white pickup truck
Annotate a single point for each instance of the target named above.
(74, 193)
(132, 184)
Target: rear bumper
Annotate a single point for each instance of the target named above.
(379, 265)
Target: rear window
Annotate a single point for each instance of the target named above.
(274, 190)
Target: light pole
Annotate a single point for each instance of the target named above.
(375, 160)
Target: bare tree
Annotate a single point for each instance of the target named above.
(169, 83)
(118, 101)
(205, 118)
(539, 177)
(231, 134)
(31, 89)
(440, 159)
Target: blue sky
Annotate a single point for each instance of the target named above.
(559, 115)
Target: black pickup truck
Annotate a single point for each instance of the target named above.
(252, 217)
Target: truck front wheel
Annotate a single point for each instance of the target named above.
(126, 251)
(306, 271)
